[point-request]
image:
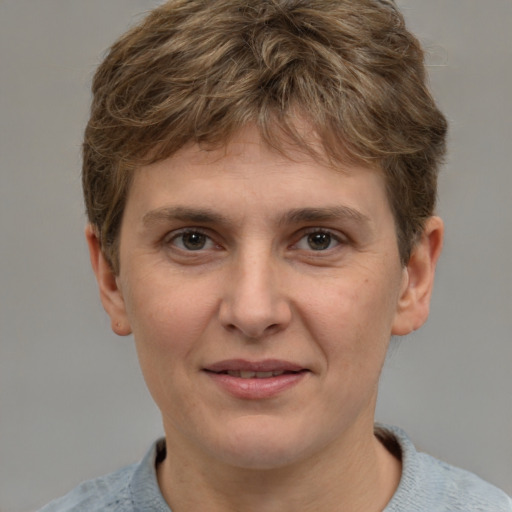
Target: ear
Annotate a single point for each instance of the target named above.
(110, 293)
(414, 301)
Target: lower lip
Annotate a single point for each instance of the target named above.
(256, 389)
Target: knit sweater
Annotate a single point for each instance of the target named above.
(426, 485)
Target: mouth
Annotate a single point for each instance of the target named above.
(248, 374)
(256, 380)
(265, 369)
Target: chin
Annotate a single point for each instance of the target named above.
(261, 456)
(265, 447)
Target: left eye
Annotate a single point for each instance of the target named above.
(192, 241)
(317, 241)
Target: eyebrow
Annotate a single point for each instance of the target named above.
(183, 213)
(294, 216)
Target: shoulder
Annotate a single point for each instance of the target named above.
(109, 493)
(430, 484)
(460, 489)
(131, 489)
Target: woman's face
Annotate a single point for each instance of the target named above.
(262, 293)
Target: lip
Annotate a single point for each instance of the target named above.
(266, 365)
(255, 388)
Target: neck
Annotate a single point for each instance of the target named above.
(354, 474)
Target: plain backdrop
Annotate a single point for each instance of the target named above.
(73, 403)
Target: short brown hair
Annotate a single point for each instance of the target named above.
(197, 71)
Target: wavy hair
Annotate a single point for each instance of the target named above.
(197, 71)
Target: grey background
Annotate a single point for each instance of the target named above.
(73, 404)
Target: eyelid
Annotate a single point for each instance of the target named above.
(170, 237)
(339, 241)
(337, 235)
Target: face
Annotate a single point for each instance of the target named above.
(262, 292)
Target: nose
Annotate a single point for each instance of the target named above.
(254, 302)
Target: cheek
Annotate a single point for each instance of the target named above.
(351, 318)
(166, 308)
(168, 319)
(169, 324)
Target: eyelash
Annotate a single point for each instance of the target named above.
(333, 237)
(209, 242)
(180, 234)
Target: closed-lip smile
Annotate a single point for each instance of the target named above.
(255, 380)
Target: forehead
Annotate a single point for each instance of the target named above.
(250, 159)
(247, 182)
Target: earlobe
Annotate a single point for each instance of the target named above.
(110, 293)
(414, 302)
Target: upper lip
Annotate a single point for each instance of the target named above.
(266, 365)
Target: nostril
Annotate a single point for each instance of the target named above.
(271, 329)
(230, 327)
(254, 317)
(253, 334)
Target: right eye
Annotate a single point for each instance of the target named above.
(318, 241)
(191, 240)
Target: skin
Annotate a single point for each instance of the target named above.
(243, 254)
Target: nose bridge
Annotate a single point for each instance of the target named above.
(254, 302)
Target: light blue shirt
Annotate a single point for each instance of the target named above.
(426, 485)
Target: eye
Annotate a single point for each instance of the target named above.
(318, 240)
(192, 240)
